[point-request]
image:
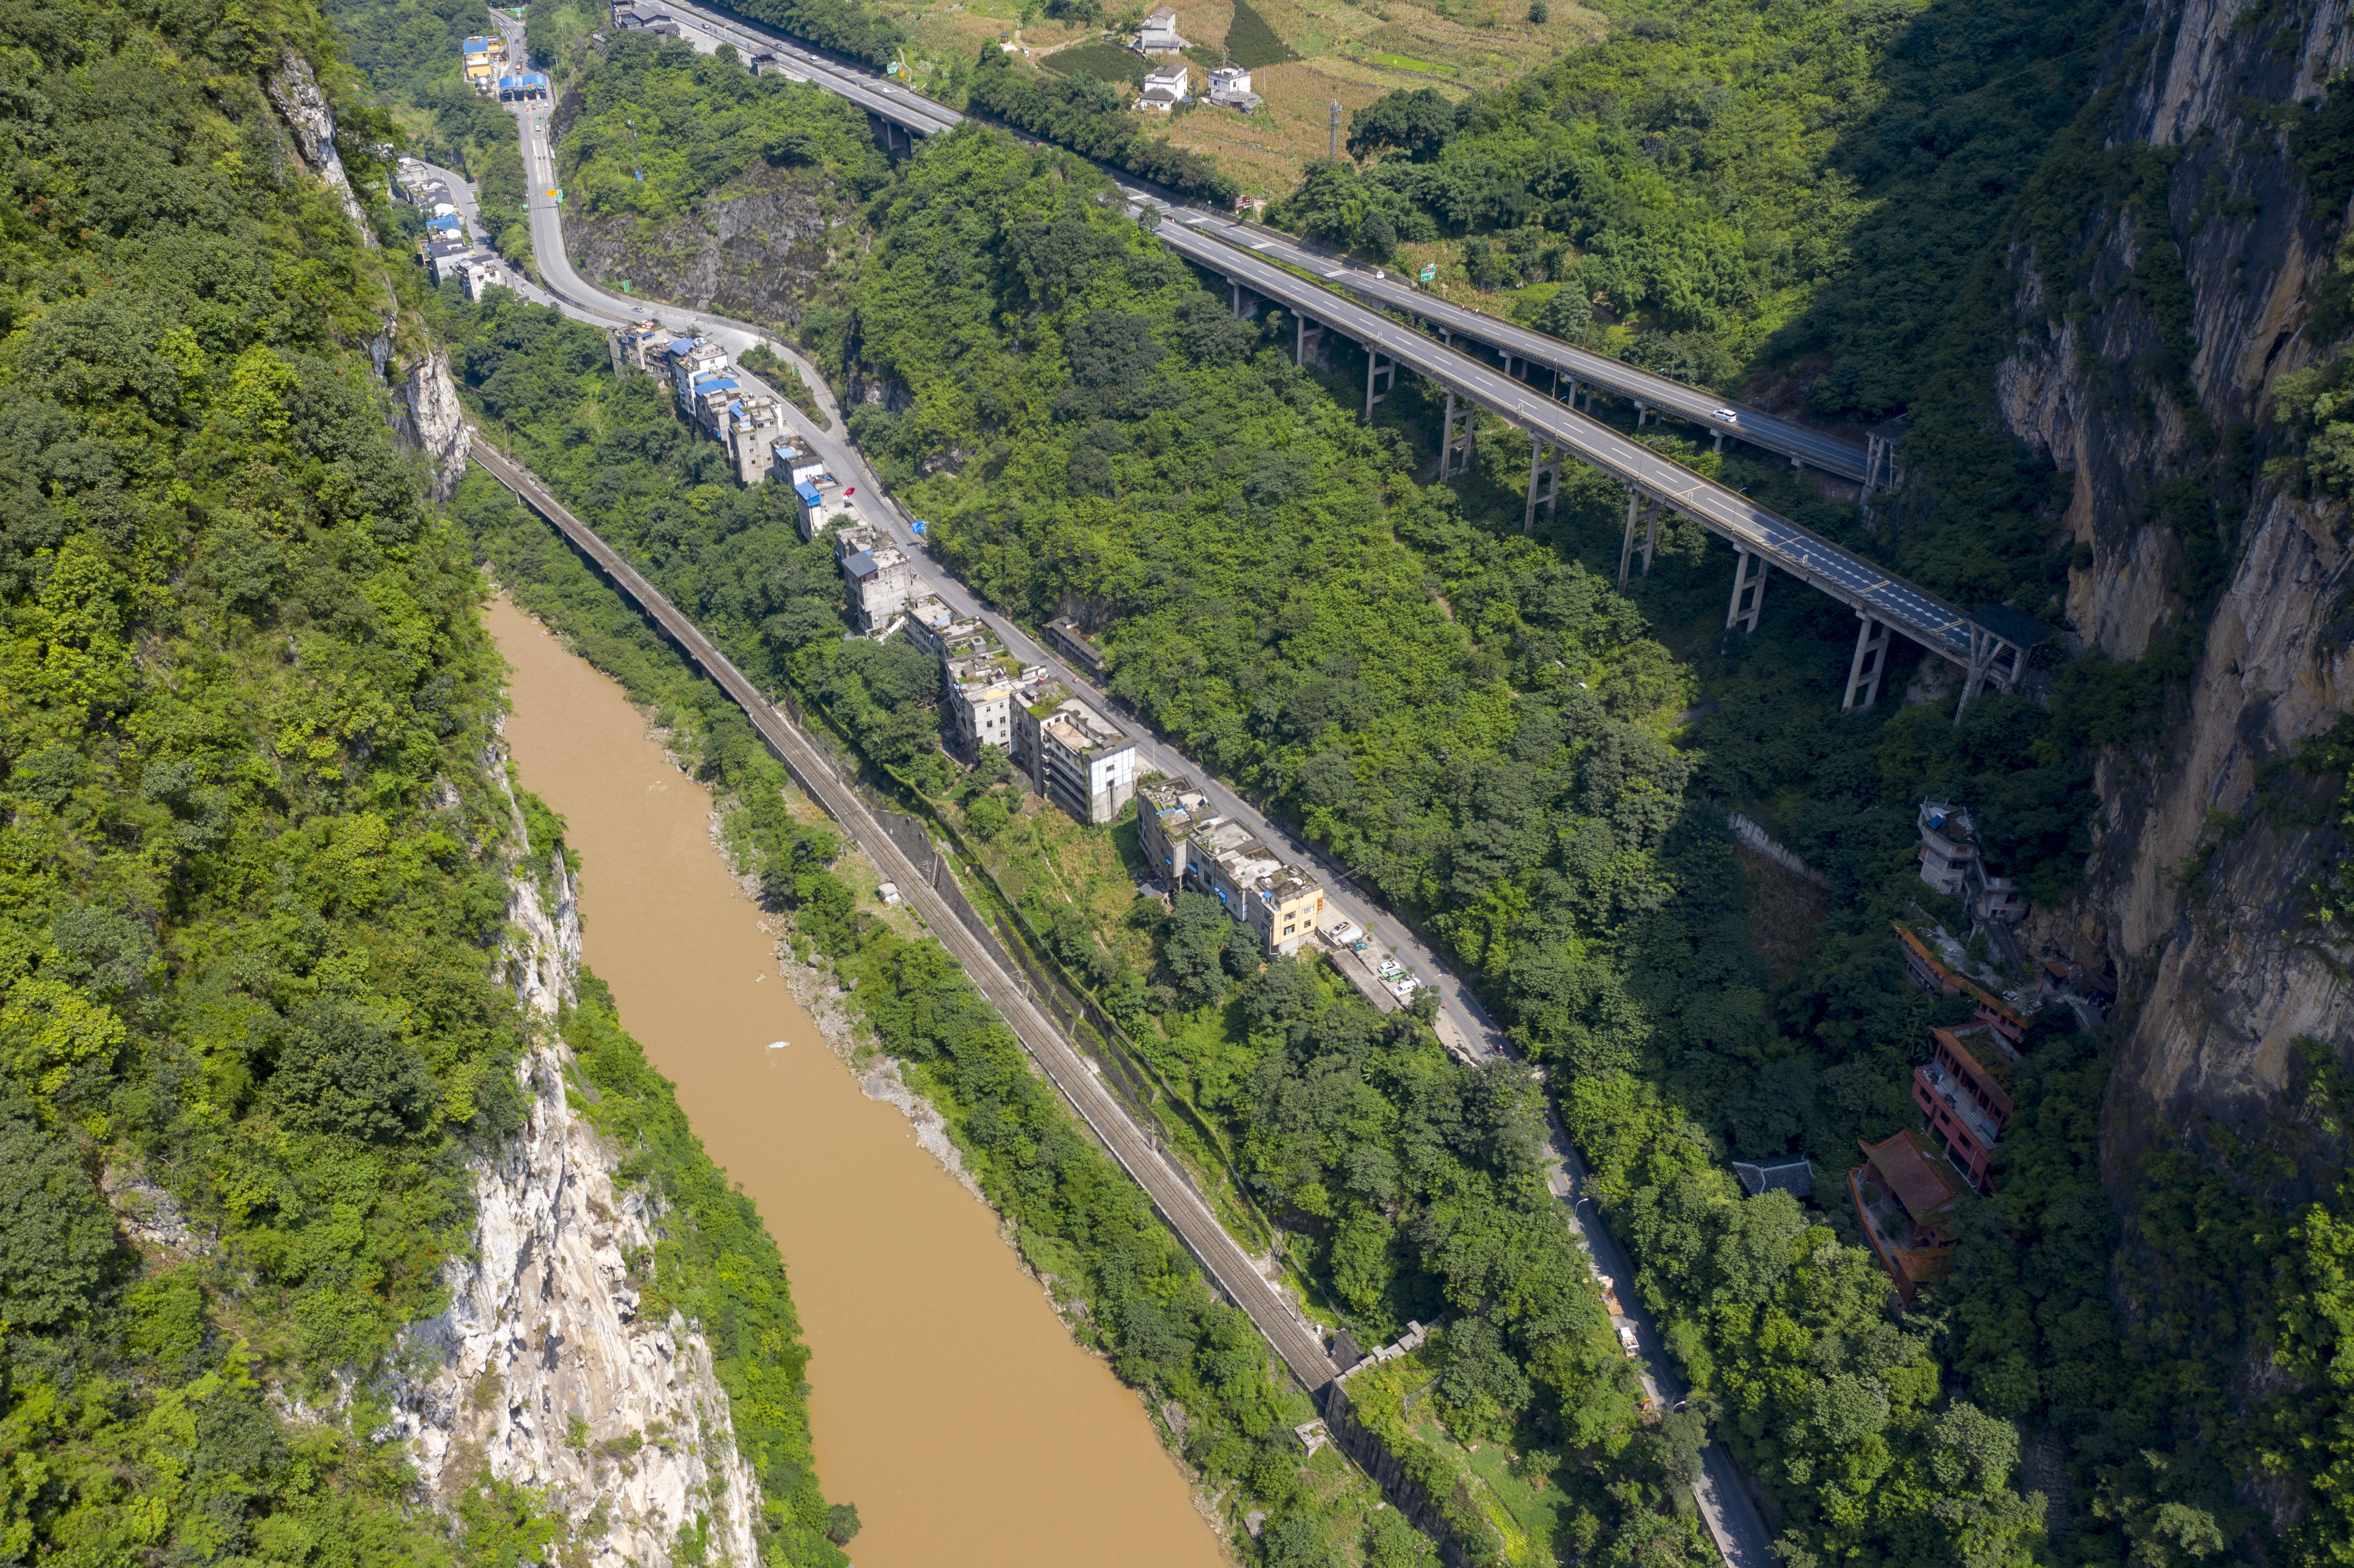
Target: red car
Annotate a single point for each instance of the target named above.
(851, 492)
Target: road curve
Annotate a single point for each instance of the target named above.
(911, 111)
(1249, 253)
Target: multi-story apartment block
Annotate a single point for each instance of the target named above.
(1964, 1091)
(981, 693)
(880, 581)
(1190, 847)
(1954, 863)
(1076, 757)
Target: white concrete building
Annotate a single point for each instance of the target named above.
(480, 274)
(1076, 757)
(1166, 86)
(754, 423)
(880, 581)
(1953, 863)
(982, 691)
(1230, 88)
(1157, 34)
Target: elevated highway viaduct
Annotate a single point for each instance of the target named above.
(1320, 290)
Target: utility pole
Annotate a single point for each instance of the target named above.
(1332, 131)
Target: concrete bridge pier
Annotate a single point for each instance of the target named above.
(1720, 440)
(1241, 295)
(1544, 481)
(1642, 412)
(1376, 365)
(1870, 664)
(1879, 456)
(1987, 664)
(1455, 450)
(1748, 589)
(1640, 508)
(1307, 331)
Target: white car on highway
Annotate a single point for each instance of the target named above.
(1726, 415)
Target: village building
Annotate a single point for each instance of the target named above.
(689, 358)
(480, 274)
(1938, 964)
(982, 689)
(1157, 34)
(644, 342)
(946, 632)
(1075, 646)
(1963, 1090)
(484, 55)
(444, 258)
(1190, 847)
(1954, 863)
(1906, 1197)
(1282, 907)
(880, 579)
(1167, 813)
(754, 423)
(808, 496)
(1230, 88)
(1166, 87)
(1075, 757)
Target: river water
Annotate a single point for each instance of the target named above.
(948, 1402)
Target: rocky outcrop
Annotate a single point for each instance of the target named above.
(754, 249)
(296, 92)
(2193, 891)
(542, 1371)
(429, 417)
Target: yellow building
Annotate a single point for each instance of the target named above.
(483, 58)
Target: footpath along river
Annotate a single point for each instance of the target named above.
(948, 1402)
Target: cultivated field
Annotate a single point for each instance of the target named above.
(1352, 50)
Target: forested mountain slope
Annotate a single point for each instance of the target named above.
(2097, 255)
(259, 1054)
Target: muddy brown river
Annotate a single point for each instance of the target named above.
(948, 1402)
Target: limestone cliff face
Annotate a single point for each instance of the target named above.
(296, 92)
(542, 1371)
(430, 418)
(2220, 972)
(754, 249)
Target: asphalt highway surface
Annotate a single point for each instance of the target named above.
(1248, 254)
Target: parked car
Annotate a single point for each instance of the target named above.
(1346, 932)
